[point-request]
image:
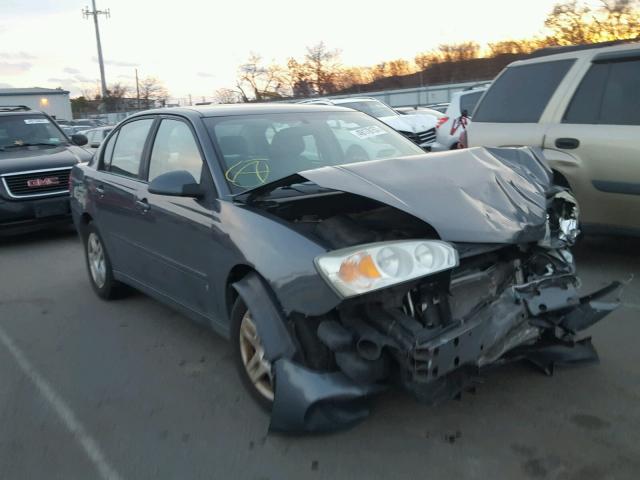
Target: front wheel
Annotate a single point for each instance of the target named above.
(249, 356)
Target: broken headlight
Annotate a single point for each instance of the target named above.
(361, 269)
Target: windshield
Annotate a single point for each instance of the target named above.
(259, 149)
(23, 130)
(370, 107)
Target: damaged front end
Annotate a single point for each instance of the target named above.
(426, 315)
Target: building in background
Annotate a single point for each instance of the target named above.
(53, 101)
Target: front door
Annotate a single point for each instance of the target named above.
(177, 234)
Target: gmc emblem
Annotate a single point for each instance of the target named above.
(43, 182)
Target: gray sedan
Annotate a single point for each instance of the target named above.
(336, 256)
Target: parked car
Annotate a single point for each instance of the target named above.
(420, 129)
(91, 122)
(335, 275)
(439, 107)
(95, 136)
(419, 111)
(583, 109)
(456, 119)
(35, 161)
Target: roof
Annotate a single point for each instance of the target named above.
(5, 92)
(581, 51)
(246, 109)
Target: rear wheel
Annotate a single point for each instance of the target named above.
(249, 356)
(99, 265)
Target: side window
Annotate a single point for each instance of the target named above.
(127, 152)
(585, 104)
(621, 99)
(175, 148)
(108, 152)
(520, 94)
(608, 94)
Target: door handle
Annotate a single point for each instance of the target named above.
(100, 189)
(143, 205)
(567, 143)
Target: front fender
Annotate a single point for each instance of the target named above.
(282, 256)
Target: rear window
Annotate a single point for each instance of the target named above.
(608, 94)
(521, 93)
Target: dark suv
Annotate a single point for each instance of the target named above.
(36, 158)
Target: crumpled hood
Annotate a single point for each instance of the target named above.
(481, 195)
(26, 159)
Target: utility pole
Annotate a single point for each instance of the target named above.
(86, 13)
(137, 90)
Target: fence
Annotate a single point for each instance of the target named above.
(419, 96)
(407, 97)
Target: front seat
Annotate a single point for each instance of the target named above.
(286, 152)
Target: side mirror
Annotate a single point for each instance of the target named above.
(465, 113)
(178, 183)
(79, 139)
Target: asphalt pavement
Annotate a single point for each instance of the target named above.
(132, 390)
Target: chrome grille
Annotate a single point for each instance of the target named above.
(37, 183)
(427, 136)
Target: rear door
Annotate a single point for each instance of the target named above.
(511, 111)
(600, 132)
(116, 188)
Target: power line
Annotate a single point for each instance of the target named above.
(86, 13)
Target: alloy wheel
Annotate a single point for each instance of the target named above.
(97, 262)
(258, 368)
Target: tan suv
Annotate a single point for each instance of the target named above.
(583, 109)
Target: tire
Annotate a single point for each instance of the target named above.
(247, 347)
(100, 271)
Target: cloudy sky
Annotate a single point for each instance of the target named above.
(195, 46)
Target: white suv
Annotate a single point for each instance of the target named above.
(457, 118)
(582, 108)
(421, 129)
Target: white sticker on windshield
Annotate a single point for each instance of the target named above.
(30, 121)
(368, 132)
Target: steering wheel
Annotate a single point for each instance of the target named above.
(249, 173)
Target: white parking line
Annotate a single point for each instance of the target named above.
(90, 446)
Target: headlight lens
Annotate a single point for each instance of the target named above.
(361, 269)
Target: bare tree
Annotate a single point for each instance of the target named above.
(152, 91)
(458, 52)
(323, 66)
(115, 93)
(257, 81)
(299, 78)
(426, 59)
(578, 22)
(513, 47)
(227, 95)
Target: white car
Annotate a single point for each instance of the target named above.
(421, 129)
(456, 119)
(95, 136)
